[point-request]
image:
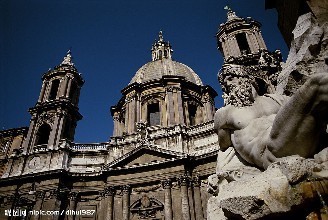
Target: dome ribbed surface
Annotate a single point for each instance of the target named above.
(155, 70)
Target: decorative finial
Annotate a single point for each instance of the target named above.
(230, 14)
(68, 59)
(227, 7)
(160, 36)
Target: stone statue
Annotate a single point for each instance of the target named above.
(264, 128)
(273, 146)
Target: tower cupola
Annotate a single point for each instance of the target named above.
(55, 115)
(239, 36)
(161, 49)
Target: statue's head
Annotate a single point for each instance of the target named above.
(237, 85)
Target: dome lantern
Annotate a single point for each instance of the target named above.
(161, 49)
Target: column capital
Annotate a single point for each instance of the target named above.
(73, 196)
(196, 181)
(172, 88)
(40, 194)
(126, 189)
(167, 184)
(108, 191)
(116, 118)
(184, 180)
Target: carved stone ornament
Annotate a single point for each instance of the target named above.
(4, 144)
(143, 137)
(34, 162)
(147, 188)
(146, 208)
(184, 180)
(167, 184)
(108, 191)
(47, 118)
(126, 189)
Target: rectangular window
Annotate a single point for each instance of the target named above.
(153, 114)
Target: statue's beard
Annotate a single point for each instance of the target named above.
(239, 96)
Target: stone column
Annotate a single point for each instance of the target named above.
(57, 128)
(138, 107)
(60, 194)
(116, 125)
(230, 47)
(47, 91)
(180, 106)
(175, 106)
(235, 46)
(68, 88)
(43, 89)
(184, 197)
(63, 87)
(163, 113)
(191, 200)
(186, 110)
(260, 39)
(197, 199)
(167, 199)
(31, 131)
(107, 204)
(250, 42)
(126, 202)
(72, 204)
(208, 108)
(256, 46)
(170, 106)
(224, 48)
(38, 204)
(132, 115)
(126, 122)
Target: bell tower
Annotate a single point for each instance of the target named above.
(56, 112)
(245, 55)
(239, 36)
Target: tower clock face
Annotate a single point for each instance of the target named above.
(34, 163)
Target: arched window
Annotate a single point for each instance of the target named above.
(192, 110)
(153, 114)
(43, 134)
(160, 54)
(54, 89)
(242, 43)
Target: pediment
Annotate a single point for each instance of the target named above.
(143, 156)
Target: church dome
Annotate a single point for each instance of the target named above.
(163, 65)
(156, 69)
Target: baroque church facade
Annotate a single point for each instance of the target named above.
(155, 165)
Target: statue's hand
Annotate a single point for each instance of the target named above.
(213, 184)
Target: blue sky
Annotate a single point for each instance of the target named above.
(110, 41)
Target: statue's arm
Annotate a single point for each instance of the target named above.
(300, 118)
(222, 128)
